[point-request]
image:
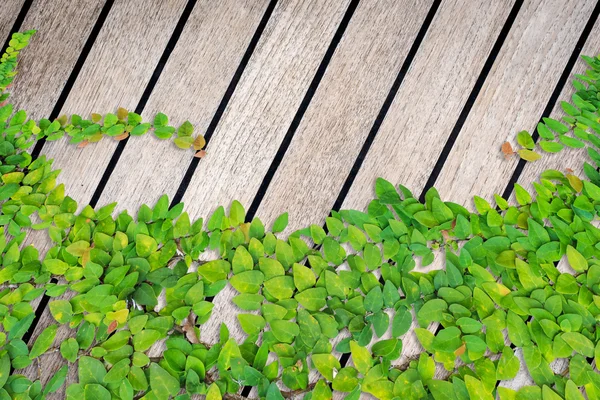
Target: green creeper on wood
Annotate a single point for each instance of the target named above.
(500, 291)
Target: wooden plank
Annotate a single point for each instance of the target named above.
(191, 87)
(426, 108)
(47, 62)
(117, 70)
(568, 158)
(512, 98)
(10, 11)
(268, 97)
(337, 122)
(115, 75)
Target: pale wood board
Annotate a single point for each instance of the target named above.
(52, 53)
(425, 108)
(123, 74)
(267, 98)
(513, 98)
(10, 10)
(117, 70)
(191, 87)
(568, 158)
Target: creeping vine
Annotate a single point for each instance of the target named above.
(120, 284)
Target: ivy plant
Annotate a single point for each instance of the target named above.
(123, 283)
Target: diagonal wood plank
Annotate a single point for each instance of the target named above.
(10, 11)
(513, 97)
(266, 101)
(119, 65)
(428, 104)
(568, 158)
(46, 64)
(191, 87)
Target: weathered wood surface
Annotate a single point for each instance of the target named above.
(49, 59)
(117, 70)
(191, 87)
(10, 11)
(271, 89)
(513, 98)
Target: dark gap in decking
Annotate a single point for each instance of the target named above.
(38, 314)
(462, 118)
(312, 89)
(185, 15)
(381, 117)
(18, 22)
(87, 48)
(187, 177)
(556, 93)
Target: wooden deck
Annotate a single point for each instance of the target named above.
(303, 102)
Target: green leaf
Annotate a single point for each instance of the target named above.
(447, 340)
(69, 349)
(304, 277)
(579, 343)
(576, 260)
(325, 364)
(312, 299)
(247, 281)
(162, 383)
(361, 357)
(213, 271)
(145, 245)
(280, 223)
(90, 370)
(251, 324)
(525, 140)
(386, 192)
(43, 342)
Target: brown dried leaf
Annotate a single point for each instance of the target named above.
(113, 325)
(122, 136)
(461, 350)
(507, 150)
(83, 144)
(199, 142)
(189, 328)
(569, 170)
(200, 154)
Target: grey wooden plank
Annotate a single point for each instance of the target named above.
(191, 87)
(47, 62)
(512, 98)
(568, 158)
(115, 73)
(10, 11)
(265, 103)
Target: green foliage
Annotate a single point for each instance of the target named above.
(129, 283)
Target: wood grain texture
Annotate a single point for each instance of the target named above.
(46, 64)
(568, 158)
(10, 11)
(426, 108)
(339, 118)
(269, 94)
(115, 74)
(191, 87)
(513, 97)
(117, 70)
